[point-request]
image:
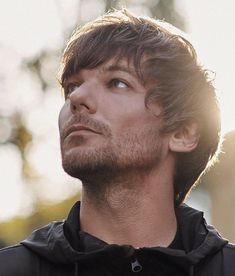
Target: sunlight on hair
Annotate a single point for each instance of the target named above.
(212, 29)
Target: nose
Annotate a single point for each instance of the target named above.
(82, 99)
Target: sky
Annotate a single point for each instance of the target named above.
(26, 27)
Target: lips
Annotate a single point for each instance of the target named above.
(77, 129)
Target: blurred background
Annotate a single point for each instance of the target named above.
(33, 187)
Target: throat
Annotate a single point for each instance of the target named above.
(130, 213)
(112, 189)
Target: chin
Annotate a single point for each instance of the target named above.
(93, 175)
(79, 163)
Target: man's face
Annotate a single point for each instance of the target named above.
(105, 125)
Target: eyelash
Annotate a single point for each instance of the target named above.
(68, 87)
(113, 83)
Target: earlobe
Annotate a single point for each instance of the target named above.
(186, 138)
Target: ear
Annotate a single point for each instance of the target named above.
(185, 139)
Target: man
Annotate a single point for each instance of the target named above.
(139, 126)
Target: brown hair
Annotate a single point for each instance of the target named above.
(165, 58)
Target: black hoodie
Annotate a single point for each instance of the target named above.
(61, 249)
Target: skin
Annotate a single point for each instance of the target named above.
(124, 162)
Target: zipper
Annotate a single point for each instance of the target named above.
(136, 266)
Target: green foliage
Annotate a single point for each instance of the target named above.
(19, 228)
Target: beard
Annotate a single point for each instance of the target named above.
(133, 153)
(109, 159)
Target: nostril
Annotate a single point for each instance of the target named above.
(79, 108)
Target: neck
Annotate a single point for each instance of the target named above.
(138, 211)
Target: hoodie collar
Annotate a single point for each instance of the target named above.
(64, 242)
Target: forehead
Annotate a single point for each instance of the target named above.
(82, 56)
(113, 65)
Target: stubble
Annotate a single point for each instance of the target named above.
(116, 164)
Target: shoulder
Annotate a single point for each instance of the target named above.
(17, 260)
(220, 263)
(226, 260)
(229, 255)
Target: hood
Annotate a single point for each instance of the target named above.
(63, 242)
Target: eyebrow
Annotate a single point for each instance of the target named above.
(113, 68)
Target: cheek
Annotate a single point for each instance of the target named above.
(136, 119)
(123, 113)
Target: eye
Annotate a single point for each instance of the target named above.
(68, 89)
(118, 83)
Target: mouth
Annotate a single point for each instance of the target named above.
(79, 130)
